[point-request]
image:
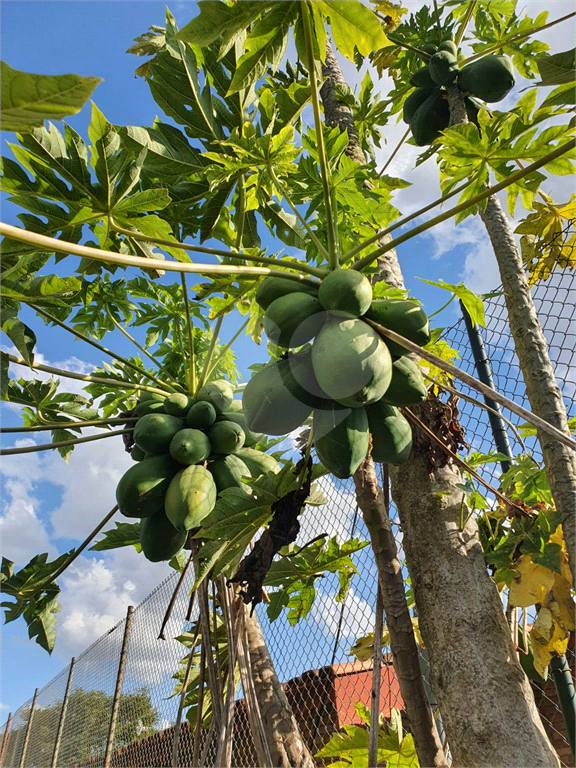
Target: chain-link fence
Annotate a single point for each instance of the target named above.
(68, 722)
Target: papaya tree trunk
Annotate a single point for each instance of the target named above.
(542, 390)
(485, 698)
(285, 743)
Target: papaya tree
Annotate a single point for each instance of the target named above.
(246, 162)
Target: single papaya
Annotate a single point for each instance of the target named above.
(351, 362)
(301, 380)
(403, 316)
(258, 462)
(156, 396)
(228, 472)
(149, 406)
(407, 386)
(413, 101)
(272, 288)
(141, 490)
(443, 67)
(250, 438)
(341, 438)
(345, 293)
(226, 437)
(430, 119)
(201, 415)
(137, 454)
(153, 433)
(218, 393)
(159, 539)
(450, 46)
(292, 320)
(190, 497)
(234, 407)
(391, 434)
(489, 79)
(422, 78)
(429, 48)
(190, 446)
(177, 404)
(268, 404)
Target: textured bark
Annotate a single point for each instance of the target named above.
(285, 743)
(486, 702)
(402, 643)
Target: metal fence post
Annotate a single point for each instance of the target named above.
(119, 678)
(27, 734)
(63, 714)
(5, 736)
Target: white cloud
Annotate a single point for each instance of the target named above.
(359, 615)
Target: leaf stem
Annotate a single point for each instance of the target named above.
(69, 425)
(98, 346)
(213, 340)
(409, 47)
(61, 444)
(98, 254)
(322, 159)
(227, 347)
(512, 179)
(191, 361)
(474, 384)
(393, 155)
(450, 300)
(464, 24)
(240, 213)
(438, 21)
(85, 376)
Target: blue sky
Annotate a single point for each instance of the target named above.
(49, 506)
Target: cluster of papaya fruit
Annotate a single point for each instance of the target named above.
(426, 110)
(349, 378)
(188, 450)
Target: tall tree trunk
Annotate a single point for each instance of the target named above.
(485, 699)
(532, 351)
(287, 748)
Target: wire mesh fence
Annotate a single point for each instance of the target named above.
(322, 681)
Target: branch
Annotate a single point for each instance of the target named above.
(68, 425)
(97, 254)
(62, 444)
(474, 383)
(393, 155)
(191, 361)
(226, 347)
(208, 358)
(512, 179)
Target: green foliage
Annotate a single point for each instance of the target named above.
(124, 535)
(472, 302)
(28, 100)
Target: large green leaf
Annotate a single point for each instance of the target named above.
(353, 26)
(27, 100)
(124, 535)
(218, 19)
(169, 151)
(558, 68)
(23, 337)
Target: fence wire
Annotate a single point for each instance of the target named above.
(322, 680)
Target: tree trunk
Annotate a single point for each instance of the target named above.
(285, 743)
(485, 699)
(542, 389)
(402, 643)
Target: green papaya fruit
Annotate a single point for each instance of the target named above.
(403, 316)
(429, 48)
(450, 46)
(234, 407)
(430, 119)
(201, 415)
(177, 404)
(228, 472)
(345, 293)
(149, 406)
(413, 101)
(159, 539)
(272, 288)
(301, 380)
(351, 362)
(190, 446)
(268, 404)
(341, 438)
(250, 438)
(443, 67)
(292, 320)
(153, 433)
(156, 396)
(258, 462)
(190, 497)
(489, 79)
(218, 393)
(407, 386)
(422, 78)
(391, 434)
(226, 437)
(141, 490)
(137, 454)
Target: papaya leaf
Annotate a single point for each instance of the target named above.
(472, 302)
(353, 26)
(563, 96)
(169, 151)
(27, 99)
(557, 69)
(124, 535)
(23, 337)
(219, 20)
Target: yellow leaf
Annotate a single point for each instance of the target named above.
(531, 583)
(392, 13)
(561, 604)
(547, 241)
(541, 656)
